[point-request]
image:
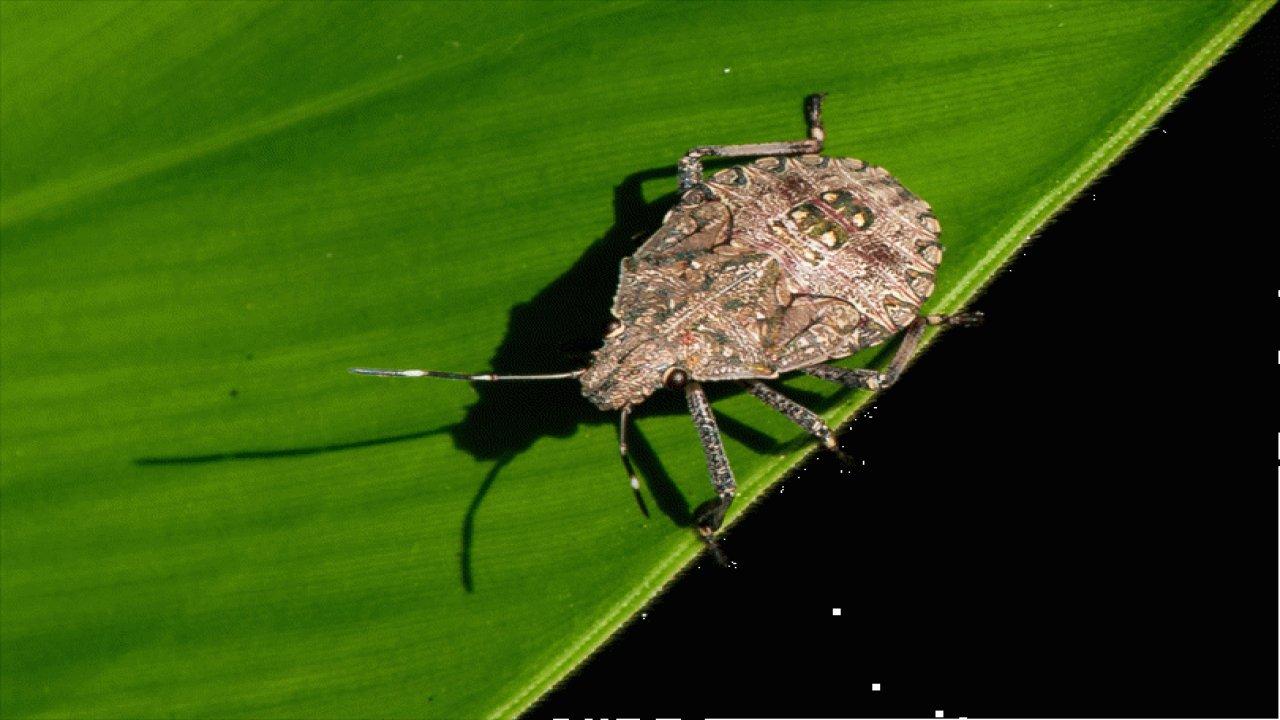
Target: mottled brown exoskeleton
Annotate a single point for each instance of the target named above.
(775, 266)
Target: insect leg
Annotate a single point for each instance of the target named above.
(872, 380)
(491, 377)
(690, 166)
(906, 349)
(849, 377)
(711, 515)
(626, 458)
(807, 419)
(911, 339)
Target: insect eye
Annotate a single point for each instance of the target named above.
(613, 328)
(675, 379)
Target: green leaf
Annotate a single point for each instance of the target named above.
(210, 211)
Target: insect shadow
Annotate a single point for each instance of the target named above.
(556, 330)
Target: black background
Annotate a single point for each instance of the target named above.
(1070, 511)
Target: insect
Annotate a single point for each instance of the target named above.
(775, 266)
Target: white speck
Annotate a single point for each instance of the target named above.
(875, 687)
(836, 612)
(727, 70)
(644, 616)
(635, 483)
(414, 373)
(937, 713)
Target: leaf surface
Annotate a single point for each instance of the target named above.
(210, 211)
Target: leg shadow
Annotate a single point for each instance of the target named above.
(469, 522)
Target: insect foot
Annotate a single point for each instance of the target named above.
(833, 446)
(710, 516)
(968, 319)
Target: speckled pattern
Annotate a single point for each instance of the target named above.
(765, 268)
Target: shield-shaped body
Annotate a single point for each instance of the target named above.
(764, 268)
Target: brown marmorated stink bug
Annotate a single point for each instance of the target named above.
(776, 266)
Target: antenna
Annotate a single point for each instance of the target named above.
(487, 377)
